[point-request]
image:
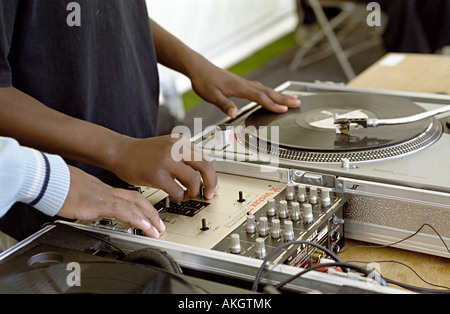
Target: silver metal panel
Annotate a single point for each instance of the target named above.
(241, 267)
(383, 235)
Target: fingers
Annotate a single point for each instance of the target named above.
(187, 171)
(90, 198)
(271, 99)
(205, 172)
(257, 92)
(226, 105)
(195, 172)
(132, 208)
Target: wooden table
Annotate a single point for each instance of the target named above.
(407, 72)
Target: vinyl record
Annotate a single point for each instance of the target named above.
(95, 278)
(308, 133)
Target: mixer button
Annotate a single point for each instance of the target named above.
(289, 191)
(235, 246)
(295, 214)
(288, 231)
(307, 213)
(263, 226)
(283, 211)
(276, 228)
(313, 195)
(271, 207)
(325, 197)
(251, 224)
(301, 193)
(260, 248)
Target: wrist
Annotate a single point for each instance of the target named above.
(46, 181)
(113, 153)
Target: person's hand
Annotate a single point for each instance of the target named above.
(216, 86)
(90, 198)
(165, 162)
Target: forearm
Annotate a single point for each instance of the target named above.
(35, 125)
(173, 53)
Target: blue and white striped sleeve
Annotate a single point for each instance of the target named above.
(30, 176)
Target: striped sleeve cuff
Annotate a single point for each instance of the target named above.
(48, 182)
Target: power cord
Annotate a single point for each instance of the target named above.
(347, 265)
(365, 271)
(400, 284)
(399, 241)
(278, 248)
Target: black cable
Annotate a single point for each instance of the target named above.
(364, 271)
(403, 264)
(154, 257)
(399, 241)
(400, 284)
(417, 289)
(278, 248)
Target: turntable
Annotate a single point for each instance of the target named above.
(387, 151)
(310, 134)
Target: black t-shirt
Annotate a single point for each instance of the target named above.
(103, 71)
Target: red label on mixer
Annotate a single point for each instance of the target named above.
(272, 192)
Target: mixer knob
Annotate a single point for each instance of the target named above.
(271, 207)
(289, 191)
(251, 224)
(288, 231)
(307, 213)
(301, 194)
(276, 228)
(313, 195)
(263, 226)
(295, 214)
(283, 212)
(325, 197)
(235, 246)
(260, 248)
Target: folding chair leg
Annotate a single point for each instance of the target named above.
(298, 59)
(332, 39)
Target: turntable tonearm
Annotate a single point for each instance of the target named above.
(345, 123)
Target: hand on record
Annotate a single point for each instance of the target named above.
(216, 86)
(89, 198)
(165, 162)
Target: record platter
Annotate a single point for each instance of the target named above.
(309, 133)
